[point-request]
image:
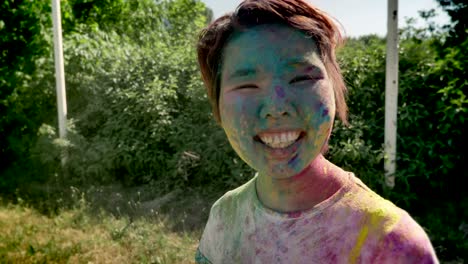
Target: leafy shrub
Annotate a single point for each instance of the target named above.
(26, 99)
(359, 146)
(138, 106)
(431, 123)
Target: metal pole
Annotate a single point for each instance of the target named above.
(59, 74)
(391, 93)
(59, 71)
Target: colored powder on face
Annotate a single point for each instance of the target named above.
(298, 105)
(324, 112)
(279, 91)
(321, 108)
(294, 160)
(310, 69)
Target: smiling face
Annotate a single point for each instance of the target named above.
(276, 100)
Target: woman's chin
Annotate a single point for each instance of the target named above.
(279, 172)
(293, 169)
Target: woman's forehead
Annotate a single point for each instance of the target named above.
(269, 44)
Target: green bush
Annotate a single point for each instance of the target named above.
(359, 146)
(25, 97)
(432, 118)
(138, 107)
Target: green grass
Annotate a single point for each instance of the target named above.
(80, 236)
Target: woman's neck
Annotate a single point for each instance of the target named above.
(316, 183)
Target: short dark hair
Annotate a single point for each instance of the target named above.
(297, 14)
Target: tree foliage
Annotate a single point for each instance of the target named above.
(24, 46)
(432, 114)
(458, 12)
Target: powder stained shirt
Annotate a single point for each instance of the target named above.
(355, 225)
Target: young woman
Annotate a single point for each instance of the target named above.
(275, 87)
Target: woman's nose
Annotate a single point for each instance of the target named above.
(277, 104)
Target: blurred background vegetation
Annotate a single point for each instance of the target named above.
(141, 138)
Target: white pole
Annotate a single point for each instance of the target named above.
(391, 93)
(59, 71)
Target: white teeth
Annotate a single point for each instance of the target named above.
(280, 140)
(276, 140)
(284, 137)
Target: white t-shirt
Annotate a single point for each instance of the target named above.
(355, 225)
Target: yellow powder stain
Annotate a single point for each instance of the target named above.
(380, 219)
(360, 241)
(373, 224)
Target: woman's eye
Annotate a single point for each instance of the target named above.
(246, 86)
(302, 78)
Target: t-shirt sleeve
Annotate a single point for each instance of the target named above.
(406, 243)
(210, 243)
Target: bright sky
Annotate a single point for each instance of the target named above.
(358, 17)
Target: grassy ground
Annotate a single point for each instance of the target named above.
(73, 236)
(106, 225)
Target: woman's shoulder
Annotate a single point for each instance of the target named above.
(406, 242)
(362, 198)
(224, 223)
(396, 237)
(232, 199)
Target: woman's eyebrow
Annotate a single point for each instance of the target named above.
(304, 64)
(242, 73)
(300, 62)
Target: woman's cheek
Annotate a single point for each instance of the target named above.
(236, 123)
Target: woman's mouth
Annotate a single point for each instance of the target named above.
(279, 140)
